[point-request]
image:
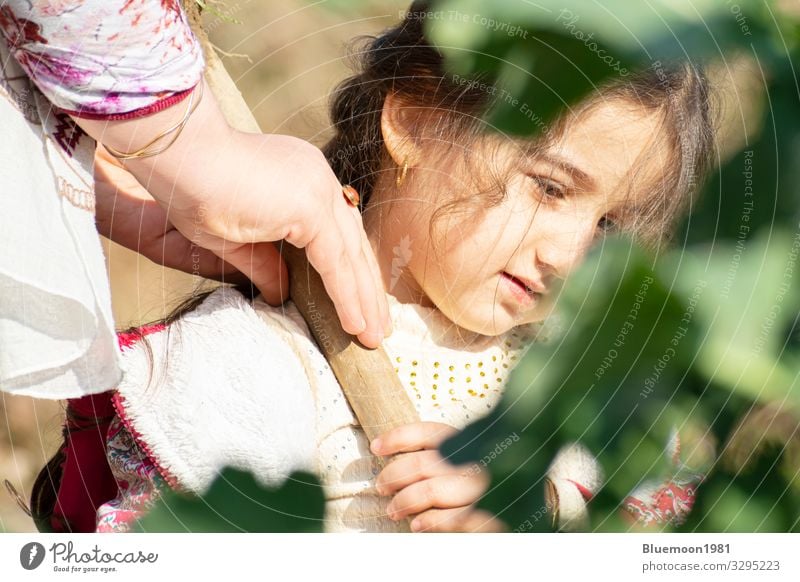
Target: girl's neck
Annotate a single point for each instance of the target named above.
(399, 282)
(385, 238)
(397, 279)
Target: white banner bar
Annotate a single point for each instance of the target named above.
(400, 557)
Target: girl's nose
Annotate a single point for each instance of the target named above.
(564, 248)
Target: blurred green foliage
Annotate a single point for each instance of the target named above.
(705, 338)
(236, 502)
(647, 346)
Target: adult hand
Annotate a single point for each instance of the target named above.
(128, 215)
(235, 194)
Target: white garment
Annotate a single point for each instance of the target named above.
(56, 328)
(241, 385)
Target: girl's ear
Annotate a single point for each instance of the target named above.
(400, 126)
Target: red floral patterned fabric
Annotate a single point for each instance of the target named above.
(104, 58)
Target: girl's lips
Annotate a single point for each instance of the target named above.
(521, 293)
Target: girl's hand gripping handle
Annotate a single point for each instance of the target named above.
(442, 496)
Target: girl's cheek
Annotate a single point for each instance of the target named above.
(543, 310)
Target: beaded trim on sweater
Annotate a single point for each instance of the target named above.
(448, 369)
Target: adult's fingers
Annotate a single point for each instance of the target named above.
(128, 215)
(327, 254)
(335, 251)
(369, 254)
(263, 265)
(175, 251)
(369, 289)
(334, 242)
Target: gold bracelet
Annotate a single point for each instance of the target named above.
(146, 151)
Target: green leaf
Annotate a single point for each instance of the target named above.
(752, 296)
(548, 55)
(236, 502)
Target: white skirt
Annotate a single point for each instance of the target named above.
(56, 327)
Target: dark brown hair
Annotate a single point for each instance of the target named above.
(403, 62)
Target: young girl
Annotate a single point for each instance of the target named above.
(473, 232)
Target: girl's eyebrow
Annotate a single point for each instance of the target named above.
(585, 180)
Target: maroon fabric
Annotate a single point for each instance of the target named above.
(86, 480)
(137, 113)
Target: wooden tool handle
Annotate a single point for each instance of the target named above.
(367, 377)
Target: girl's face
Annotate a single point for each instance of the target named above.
(501, 266)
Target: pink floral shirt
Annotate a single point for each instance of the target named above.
(108, 59)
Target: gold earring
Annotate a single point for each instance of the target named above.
(402, 176)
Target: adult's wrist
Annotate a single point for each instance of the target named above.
(182, 176)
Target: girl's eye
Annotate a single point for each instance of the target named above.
(606, 224)
(547, 187)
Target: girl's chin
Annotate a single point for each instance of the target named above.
(490, 316)
(515, 317)
(490, 321)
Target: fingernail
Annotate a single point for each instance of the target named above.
(416, 525)
(363, 325)
(377, 336)
(376, 446)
